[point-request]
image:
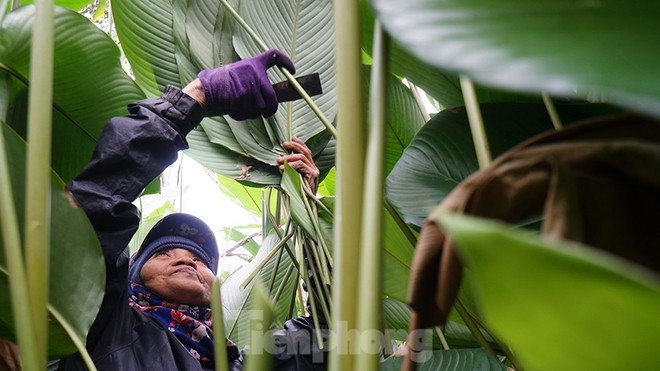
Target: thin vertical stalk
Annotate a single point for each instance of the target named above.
(350, 179)
(261, 317)
(442, 338)
(37, 203)
(282, 284)
(472, 326)
(220, 345)
(311, 298)
(420, 102)
(552, 111)
(289, 76)
(75, 339)
(18, 286)
(267, 258)
(370, 296)
(476, 122)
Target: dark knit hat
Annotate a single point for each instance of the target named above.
(176, 230)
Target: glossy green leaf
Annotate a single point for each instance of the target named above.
(228, 163)
(594, 311)
(404, 119)
(147, 39)
(247, 197)
(563, 47)
(304, 30)
(397, 317)
(327, 186)
(83, 99)
(397, 257)
(236, 301)
(235, 234)
(169, 43)
(292, 185)
(450, 360)
(75, 294)
(220, 132)
(442, 154)
(442, 85)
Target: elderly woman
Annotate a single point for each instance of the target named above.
(155, 313)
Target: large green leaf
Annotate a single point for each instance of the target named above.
(563, 47)
(75, 294)
(450, 360)
(397, 317)
(439, 84)
(89, 87)
(560, 306)
(169, 43)
(300, 212)
(397, 254)
(147, 39)
(236, 301)
(404, 119)
(442, 154)
(304, 30)
(230, 164)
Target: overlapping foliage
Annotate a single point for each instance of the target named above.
(592, 51)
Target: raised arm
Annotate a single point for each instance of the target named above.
(133, 150)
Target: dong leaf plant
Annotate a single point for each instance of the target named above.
(587, 59)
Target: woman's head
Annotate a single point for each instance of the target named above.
(177, 260)
(178, 275)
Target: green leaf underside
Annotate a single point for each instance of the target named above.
(582, 300)
(442, 154)
(236, 301)
(76, 293)
(84, 100)
(562, 47)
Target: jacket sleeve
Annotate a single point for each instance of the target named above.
(131, 152)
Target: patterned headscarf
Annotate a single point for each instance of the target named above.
(189, 323)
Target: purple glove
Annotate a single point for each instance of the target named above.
(242, 89)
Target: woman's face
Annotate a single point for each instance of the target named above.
(179, 276)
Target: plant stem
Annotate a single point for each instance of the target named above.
(287, 74)
(260, 320)
(405, 229)
(420, 103)
(474, 329)
(350, 178)
(219, 346)
(552, 111)
(265, 260)
(370, 296)
(37, 203)
(282, 284)
(77, 341)
(18, 286)
(311, 298)
(476, 122)
(442, 338)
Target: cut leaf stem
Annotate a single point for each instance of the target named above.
(476, 122)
